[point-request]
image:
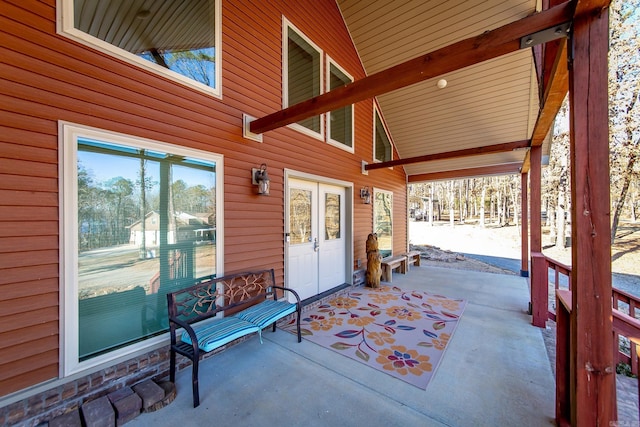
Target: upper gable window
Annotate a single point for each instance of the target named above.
(302, 76)
(381, 141)
(178, 39)
(340, 121)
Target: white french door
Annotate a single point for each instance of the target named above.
(316, 237)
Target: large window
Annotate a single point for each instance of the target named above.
(383, 220)
(381, 142)
(340, 121)
(302, 75)
(179, 39)
(141, 219)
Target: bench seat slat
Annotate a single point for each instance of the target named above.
(266, 312)
(220, 332)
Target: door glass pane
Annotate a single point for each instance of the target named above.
(300, 216)
(382, 221)
(331, 216)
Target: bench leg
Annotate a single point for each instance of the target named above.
(298, 315)
(403, 267)
(386, 272)
(172, 365)
(194, 381)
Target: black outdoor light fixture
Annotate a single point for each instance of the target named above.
(365, 195)
(260, 178)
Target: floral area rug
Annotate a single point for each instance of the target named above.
(401, 332)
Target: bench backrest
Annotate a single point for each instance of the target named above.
(212, 295)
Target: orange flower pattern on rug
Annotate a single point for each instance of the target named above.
(401, 332)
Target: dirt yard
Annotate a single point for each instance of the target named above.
(444, 244)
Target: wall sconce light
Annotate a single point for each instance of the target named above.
(365, 195)
(260, 178)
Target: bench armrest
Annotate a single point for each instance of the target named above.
(295, 294)
(188, 329)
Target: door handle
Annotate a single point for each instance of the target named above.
(316, 245)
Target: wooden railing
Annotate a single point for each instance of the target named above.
(626, 324)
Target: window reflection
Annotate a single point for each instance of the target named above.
(146, 226)
(382, 221)
(176, 35)
(332, 216)
(300, 216)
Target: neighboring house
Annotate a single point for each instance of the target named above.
(110, 108)
(189, 228)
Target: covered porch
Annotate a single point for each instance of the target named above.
(495, 371)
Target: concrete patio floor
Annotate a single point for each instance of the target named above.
(495, 371)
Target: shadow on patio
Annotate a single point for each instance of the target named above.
(494, 372)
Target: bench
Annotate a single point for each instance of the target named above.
(390, 263)
(413, 257)
(216, 311)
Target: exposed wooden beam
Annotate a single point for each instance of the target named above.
(464, 53)
(503, 169)
(496, 148)
(555, 92)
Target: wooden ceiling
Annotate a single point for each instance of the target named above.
(492, 102)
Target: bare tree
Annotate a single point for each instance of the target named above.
(624, 88)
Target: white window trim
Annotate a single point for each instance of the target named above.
(65, 27)
(329, 63)
(386, 131)
(286, 24)
(68, 191)
(390, 193)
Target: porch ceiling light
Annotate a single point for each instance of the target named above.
(442, 83)
(260, 178)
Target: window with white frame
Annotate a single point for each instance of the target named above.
(383, 220)
(340, 121)
(381, 141)
(302, 75)
(141, 219)
(179, 39)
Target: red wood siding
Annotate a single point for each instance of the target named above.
(47, 78)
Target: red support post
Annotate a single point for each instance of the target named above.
(524, 224)
(539, 290)
(563, 358)
(537, 275)
(535, 179)
(592, 366)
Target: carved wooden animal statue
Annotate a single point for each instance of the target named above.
(374, 269)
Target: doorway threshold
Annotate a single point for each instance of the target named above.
(306, 302)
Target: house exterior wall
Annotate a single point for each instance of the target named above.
(47, 78)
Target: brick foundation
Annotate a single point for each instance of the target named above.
(45, 406)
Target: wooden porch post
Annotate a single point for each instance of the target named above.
(592, 363)
(524, 224)
(539, 290)
(535, 180)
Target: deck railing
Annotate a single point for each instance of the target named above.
(626, 324)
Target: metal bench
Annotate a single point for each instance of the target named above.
(391, 263)
(234, 306)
